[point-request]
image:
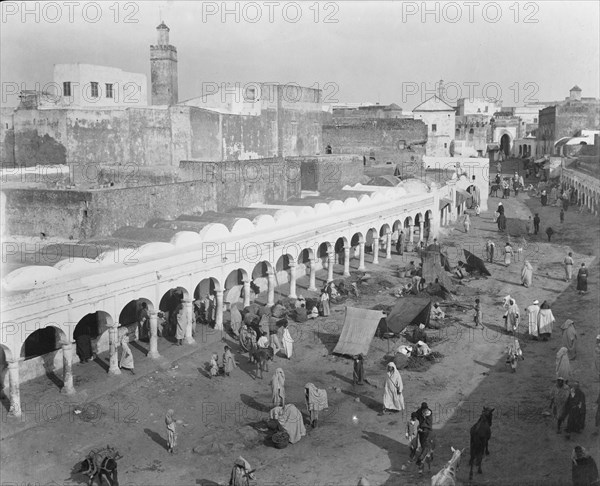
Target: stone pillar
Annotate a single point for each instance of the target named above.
(411, 237)
(189, 314)
(388, 246)
(346, 261)
(361, 255)
(219, 310)
(113, 350)
(292, 294)
(14, 389)
(271, 287)
(331, 257)
(421, 230)
(312, 285)
(375, 250)
(153, 351)
(67, 352)
(246, 293)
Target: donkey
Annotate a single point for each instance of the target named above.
(262, 356)
(447, 475)
(481, 433)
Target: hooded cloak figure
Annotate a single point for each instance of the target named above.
(584, 471)
(575, 410)
(545, 321)
(569, 338)
(278, 387)
(527, 274)
(563, 365)
(512, 317)
(358, 372)
(242, 473)
(393, 399)
(236, 320)
(558, 400)
(508, 253)
(533, 313)
(126, 362)
(316, 400)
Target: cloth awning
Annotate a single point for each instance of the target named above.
(360, 326)
(444, 202)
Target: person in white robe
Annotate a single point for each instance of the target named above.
(512, 317)
(288, 342)
(533, 311)
(545, 321)
(527, 274)
(126, 361)
(393, 399)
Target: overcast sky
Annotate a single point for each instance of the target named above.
(356, 51)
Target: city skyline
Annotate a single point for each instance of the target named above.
(344, 48)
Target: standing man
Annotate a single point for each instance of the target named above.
(532, 313)
(568, 263)
(562, 215)
(582, 276)
(490, 248)
(536, 224)
(400, 243)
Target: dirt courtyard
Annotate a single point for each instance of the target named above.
(353, 439)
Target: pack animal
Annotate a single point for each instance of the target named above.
(426, 456)
(101, 464)
(447, 475)
(262, 356)
(481, 433)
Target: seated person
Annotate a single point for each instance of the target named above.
(263, 341)
(419, 334)
(314, 313)
(423, 349)
(301, 315)
(299, 301)
(411, 268)
(436, 312)
(460, 271)
(278, 310)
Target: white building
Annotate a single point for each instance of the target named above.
(478, 106)
(440, 119)
(91, 86)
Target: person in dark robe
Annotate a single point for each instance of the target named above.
(582, 276)
(584, 471)
(575, 410)
(500, 208)
(562, 215)
(358, 374)
(549, 232)
(301, 314)
(419, 334)
(502, 222)
(544, 198)
(536, 224)
(84, 347)
(400, 243)
(425, 418)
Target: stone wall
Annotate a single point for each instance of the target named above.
(327, 173)
(100, 212)
(379, 141)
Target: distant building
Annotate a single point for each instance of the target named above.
(439, 117)
(367, 110)
(89, 86)
(566, 119)
(477, 106)
(472, 134)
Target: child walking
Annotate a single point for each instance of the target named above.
(412, 427)
(214, 365)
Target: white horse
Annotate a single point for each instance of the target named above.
(447, 475)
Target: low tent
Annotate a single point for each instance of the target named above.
(476, 263)
(407, 311)
(433, 267)
(360, 326)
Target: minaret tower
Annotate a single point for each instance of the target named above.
(163, 69)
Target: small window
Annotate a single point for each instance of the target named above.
(94, 89)
(67, 88)
(486, 109)
(445, 145)
(434, 127)
(535, 120)
(109, 90)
